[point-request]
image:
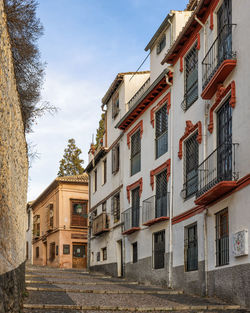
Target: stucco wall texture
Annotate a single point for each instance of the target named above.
(13, 161)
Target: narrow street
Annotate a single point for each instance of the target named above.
(56, 290)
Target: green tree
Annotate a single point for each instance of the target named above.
(71, 164)
(100, 131)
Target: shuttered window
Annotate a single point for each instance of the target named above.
(161, 131)
(136, 153)
(115, 159)
(136, 207)
(161, 198)
(115, 207)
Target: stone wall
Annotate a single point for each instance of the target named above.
(13, 180)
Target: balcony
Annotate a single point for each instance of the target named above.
(131, 220)
(218, 62)
(217, 174)
(139, 93)
(155, 210)
(100, 224)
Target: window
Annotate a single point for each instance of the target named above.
(66, 249)
(115, 105)
(56, 250)
(191, 248)
(52, 251)
(161, 45)
(98, 256)
(29, 219)
(50, 218)
(115, 207)
(136, 207)
(37, 252)
(191, 165)
(136, 153)
(36, 226)
(135, 252)
(191, 77)
(159, 249)
(115, 159)
(104, 164)
(95, 180)
(161, 131)
(79, 214)
(104, 206)
(222, 238)
(104, 254)
(161, 199)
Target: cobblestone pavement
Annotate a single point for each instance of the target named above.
(75, 291)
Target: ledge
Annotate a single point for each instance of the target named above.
(131, 230)
(218, 78)
(216, 192)
(156, 220)
(105, 230)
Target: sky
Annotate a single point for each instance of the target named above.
(85, 44)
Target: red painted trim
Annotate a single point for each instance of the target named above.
(190, 128)
(138, 183)
(212, 20)
(131, 230)
(156, 220)
(165, 165)
(167, 99)
(241, 183)
(181, 64)
(137, 126)
(198, 41)
(220, 94)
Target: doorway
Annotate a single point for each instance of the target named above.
(119, 258)
(79, 256)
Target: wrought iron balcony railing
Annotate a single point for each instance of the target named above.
(155, 208)
(131, 219)
(139, 93)
(219, 166)
(220, 51)
(100, 224)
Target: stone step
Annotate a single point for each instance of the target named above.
(28, 274)
(96, 291)
(78, 283)
(187, 308)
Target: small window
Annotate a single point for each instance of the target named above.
(191, 165)
(161, 45)
(36, 226)
(50, 216)
(37, 252)
(104, 206)
(222, 238)
(56, 250)
(115, 159)
(104, 254)
(136, 153)
(161, 131)
(95, 180)
(66, 249)
(98, 256)
(135, 252)
(52, 251)
(115, 105)
(159, 249)
(191, 78)
(191, 248)
(104, 164)
(115, 207)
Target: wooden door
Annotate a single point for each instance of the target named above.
(79, 256)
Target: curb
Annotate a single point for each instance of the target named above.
(78, 283)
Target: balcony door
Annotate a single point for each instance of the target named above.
(161, 195)
(135, 207)
(224, 135)
(224, 18)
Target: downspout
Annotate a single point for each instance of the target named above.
(89, 226)
(171, 190)
(204, 157)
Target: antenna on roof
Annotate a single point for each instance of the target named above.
(140, 66)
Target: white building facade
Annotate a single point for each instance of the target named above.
(185, 158)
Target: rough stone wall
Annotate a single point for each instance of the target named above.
(13, 177)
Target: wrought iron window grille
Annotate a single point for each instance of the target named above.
(191, 248)
(222, 238)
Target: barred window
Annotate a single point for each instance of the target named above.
(136, 153)
(115, 105)
(222, 238)
(115, 159)
(66, 249)
(191, 248)
(191, 165)
(191, 78)
(161, 131)
(104, 254)
(115, 207)
(159, 249)
(161, 45)
(161, 205)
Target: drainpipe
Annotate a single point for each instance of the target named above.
(205, 125)
(89, 226)
(170, 265)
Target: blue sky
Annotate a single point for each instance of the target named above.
(85, 44)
